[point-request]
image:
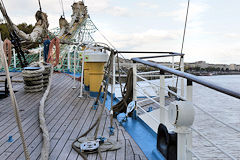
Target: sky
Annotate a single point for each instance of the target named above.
(213, 30)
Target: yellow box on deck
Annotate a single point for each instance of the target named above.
(95, 75)
(95, 81)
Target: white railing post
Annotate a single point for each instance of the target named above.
(162, 98)
(14, 58)
(173, 68)
(113, 76)
(135, 84)
(82, 74)
(40, 54)
(189, 135)
(181, 146)
(68, 60)
(112, 92)
(189, 90)
(182, 80)
(74, 70)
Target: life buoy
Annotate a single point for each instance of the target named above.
(54, 42)
(7, 47)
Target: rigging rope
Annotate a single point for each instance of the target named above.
(14, 102)
(43, 126)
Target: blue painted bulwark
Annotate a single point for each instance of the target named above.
(93, 94)
(144, 136)
(77, 75)
(157, 155)
(108, 100)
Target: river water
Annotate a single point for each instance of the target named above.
(223, 107)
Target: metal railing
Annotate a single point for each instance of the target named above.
(188, 152)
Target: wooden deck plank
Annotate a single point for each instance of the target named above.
(67, 148)
(77, 131)
(24, 101)
(67, 117)
(120, 154)
(36, 148)
(63, 137)
(38, 131)
(54, 117)
(22, 93)
(35, 114)
(112, 154)
(88, 123)
(137, 157)
(103, 133)
(129, 153)
(94, 156)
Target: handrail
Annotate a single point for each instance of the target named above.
(189, 77)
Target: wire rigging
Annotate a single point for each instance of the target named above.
(183, 39)
(185, 27)
(61, 4)
(40, 7)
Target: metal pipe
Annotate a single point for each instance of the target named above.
(74, 69)
(163, 112)
(14, 58)
(81, 85)
(134, 85)
(150, 52)
(170, 55)
(189, 77)
(182, 80)
(40, 54)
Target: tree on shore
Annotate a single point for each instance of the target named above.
(23, 26)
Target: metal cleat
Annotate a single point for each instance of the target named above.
(89, 146)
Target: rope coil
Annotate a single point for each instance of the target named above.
(7, 47)
(54, 42)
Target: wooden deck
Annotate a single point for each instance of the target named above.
(67, 117)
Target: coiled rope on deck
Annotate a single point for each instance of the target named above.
(14, 101)
(43, 126)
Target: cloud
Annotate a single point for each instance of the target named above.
(148, 5)
(195, 10)
(158, 40)
(118, 11)
(97, 6)
(232, 35)
(104, 6)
